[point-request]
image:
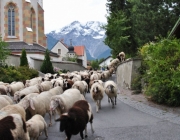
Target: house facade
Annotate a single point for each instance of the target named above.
(61, 49)
(71, 51)
(106, 62)
(22, 27)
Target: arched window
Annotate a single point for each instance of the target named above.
(11, 20)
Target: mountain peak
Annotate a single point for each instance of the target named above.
(89, 34)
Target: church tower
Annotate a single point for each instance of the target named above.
(22, 21)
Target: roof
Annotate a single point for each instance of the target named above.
(176, 30)
(61, 43)
(16, 47)
(79, 50)
(105, 59)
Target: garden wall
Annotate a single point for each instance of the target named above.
(127, 71)
(14, 60)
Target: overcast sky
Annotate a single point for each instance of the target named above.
(59, 13)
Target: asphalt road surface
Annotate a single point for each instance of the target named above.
(124, 122)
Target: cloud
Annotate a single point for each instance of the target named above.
(59, 13)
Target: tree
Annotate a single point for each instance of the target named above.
(95, 64)
(23, 58)
(132, 23)
(4, 51)
(47, 67)
(115, 5)
(116, 33)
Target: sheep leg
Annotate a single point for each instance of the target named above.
(68, 135)
(115, 99)
(112, 101)
(92, 129)
(54, 114)
(97, 106)
(45, 131)
(108, 100)
(50, 124)
(86, 132)
(81, 134)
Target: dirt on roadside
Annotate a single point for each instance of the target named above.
(144, 99)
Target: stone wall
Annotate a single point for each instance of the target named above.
(127, 71)
(14, 60)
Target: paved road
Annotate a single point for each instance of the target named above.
(129, 120)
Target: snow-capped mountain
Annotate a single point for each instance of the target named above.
(90, 34)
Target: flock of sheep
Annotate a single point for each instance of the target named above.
(24, 105)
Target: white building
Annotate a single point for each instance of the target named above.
(71, 51)
(22, 26)
(106, 62)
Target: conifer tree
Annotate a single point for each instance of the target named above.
(23, 58)
(47, 67)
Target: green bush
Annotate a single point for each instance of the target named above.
(162, 71)
(28, 73)
(23, 58)
(11, 74)
(47, 67)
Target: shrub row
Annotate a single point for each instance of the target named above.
(161, 65)
(22, 73)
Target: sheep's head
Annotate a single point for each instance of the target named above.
(16, 96)
(28, 126)
(65, 122)
(25, 103)
(65, 83)
(96, 89)
(110, 88)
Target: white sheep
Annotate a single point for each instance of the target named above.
(8, 98)
(14, 109)
(95, 81)
(4, 101)
(35, 126)
(58, 82)
(80, 86)
(15, 86)
(105, 75)
(97, 94)
(110, 88)
(94, 76)
(34, 81)
(3, 89)
(86, 86)
(13, 127)
(64, 101)
(40, 104)
(111, 70)
(30, 95)
(114, 63)
(46, 85)
(18, 95)
(121, 56)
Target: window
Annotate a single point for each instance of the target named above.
(11, 21)
(31, 20)
(59, 51)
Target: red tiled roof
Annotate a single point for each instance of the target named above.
(79, 50)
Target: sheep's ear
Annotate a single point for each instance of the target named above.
(31, 104)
